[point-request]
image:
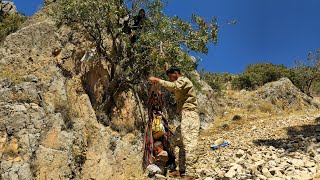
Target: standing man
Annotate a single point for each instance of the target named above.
(187, 107)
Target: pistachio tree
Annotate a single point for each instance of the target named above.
(162, 39)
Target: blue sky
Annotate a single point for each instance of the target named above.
(276, 31)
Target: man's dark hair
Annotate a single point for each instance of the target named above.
(172, 70)
(142, 11)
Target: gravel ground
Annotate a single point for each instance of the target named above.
(266, 148)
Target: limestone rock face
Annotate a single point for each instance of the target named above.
(128, 114)
(48, 127)
(283, 95)
(208, 105)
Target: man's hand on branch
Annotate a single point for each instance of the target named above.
(153, 79)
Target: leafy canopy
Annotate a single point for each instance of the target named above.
(99, 20)
(162, 39)
(306, 72)
(256, 75)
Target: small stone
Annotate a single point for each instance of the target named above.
(231, 173)
(304, 175)
(297, 162)
(159, 176)
(309, 164)
(314, 140)
(300, 136)
(313, 170)
(266, 172)
(271, 148)
(34, 106)
(281, 150)
(17, 159)
(272, 163)
(317, 158)
(259, 163)
(240, 153)
(21, 108)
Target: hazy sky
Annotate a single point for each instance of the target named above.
(276, 31)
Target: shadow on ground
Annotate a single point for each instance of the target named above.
(299, 138)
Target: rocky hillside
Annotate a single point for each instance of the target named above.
(49, 129)
(275, 147)
(274, 134)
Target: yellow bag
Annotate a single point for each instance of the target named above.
(157, 128)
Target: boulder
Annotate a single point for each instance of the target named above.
(8, 8)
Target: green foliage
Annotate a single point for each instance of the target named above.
(262, 73)
(243, 81)
(10, 24)
(162, 38)
(216, 81)
(316, 88)
(256, 75)
(306, 74)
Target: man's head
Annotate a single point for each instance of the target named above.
(173, 73)
(142, 13)
(157, 147)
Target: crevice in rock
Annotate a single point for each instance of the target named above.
(66, 73)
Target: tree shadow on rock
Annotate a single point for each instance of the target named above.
(299, 138)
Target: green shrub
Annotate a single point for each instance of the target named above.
(262, 73)
(216, 81)
(306, 75)
(256, 75)
(10, 24)
(315, 88)
(242, 82)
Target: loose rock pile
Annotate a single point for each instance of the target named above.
(262, 152)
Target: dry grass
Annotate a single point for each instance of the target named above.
(11, 148)
(266, 107)
(244, 104)
(12, 73)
